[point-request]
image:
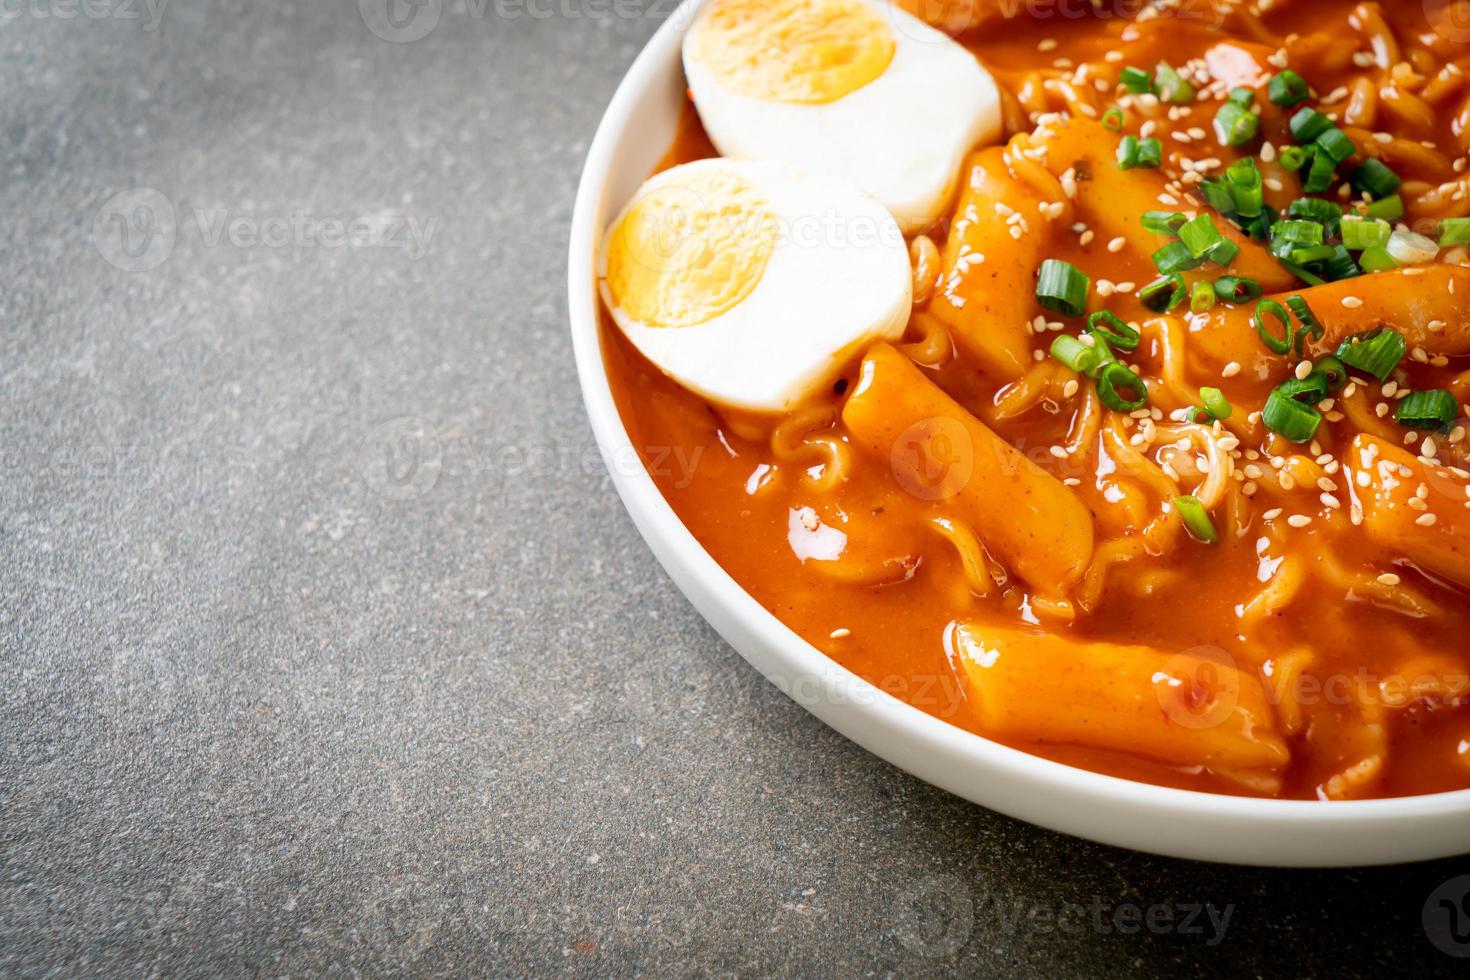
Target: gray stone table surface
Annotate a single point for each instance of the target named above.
(327, 647)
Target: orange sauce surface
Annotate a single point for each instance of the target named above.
(1350, 729)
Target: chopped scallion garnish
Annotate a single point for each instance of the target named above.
(1320, 174)
(1134, 152)
(1176, 257)
(1389, 207)
(1237, 289)
(1335, 144)
(1236, 125)
(1287, 89)
(1377, 259)
(1199, 235)
(1078, 356)
(1113, 380)
(1216, 403)
(1243, 178)
(1434, 409)
(1454, 231)
(1275, 344)
(1196, 519)
(1289, 418)
(1311, 328)
(1113, 119)
(1293, 158)
(1333, 371)
(1308, 124)
(1163, 222)
(1298, 232)
(1360, 233)
(1376, 178)
(1376, 353)
(1201, 297)
(1113, 329)
(1062, 287)
(1171, 86)
(1163, 294)
(1136, 80)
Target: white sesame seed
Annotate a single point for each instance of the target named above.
(1388, 578)
(1352, 302)
(1117, 244)
(841, 633)
(1426, 520)
(1298, 520)
(1230, 370)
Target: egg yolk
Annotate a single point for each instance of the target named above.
(684, 253)
(807, 51)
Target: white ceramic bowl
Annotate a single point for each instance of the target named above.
(635, 132)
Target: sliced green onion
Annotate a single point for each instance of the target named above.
(1243, 178)
(1163, 294)
(1223, 252)
(1376, 178)
(1335, 144)
(1217, 195)
(1196, 519)
(1308, 124)
(1113, 119)
(1340, 265)
(1389, 207)
(1136, 80)
(1287, 89)
(1114, 379)
(1297, 232)
(1078, 356)
(1309, 390)
(1377, 259)
(1275, 344)
(1289, 418)
(1134, 152)
(1360, 233)
(1237, 289)
(1305, 275)
(1411, 248)
(1434, 409)
(1172, 86)
(1242, 96)
(1454, 231)
(1201, 297)
(1320, 174)
(1216, 403)
(1176, 257)
(1163, 222)
(1376, 353)
(1316, 209)
(1311, 328)
(1113, 329)
(1293, 158)
(1236, 125)
(1199, 236)
(1308, 254)
(1333, 370)
(1062, 287)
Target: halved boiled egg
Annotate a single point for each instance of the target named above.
(851, 88)
(753, 284)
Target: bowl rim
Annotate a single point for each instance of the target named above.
(1319, 834)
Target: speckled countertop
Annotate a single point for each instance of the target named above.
(327, 647)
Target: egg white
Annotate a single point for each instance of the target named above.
(902, 137)
(838, 280)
